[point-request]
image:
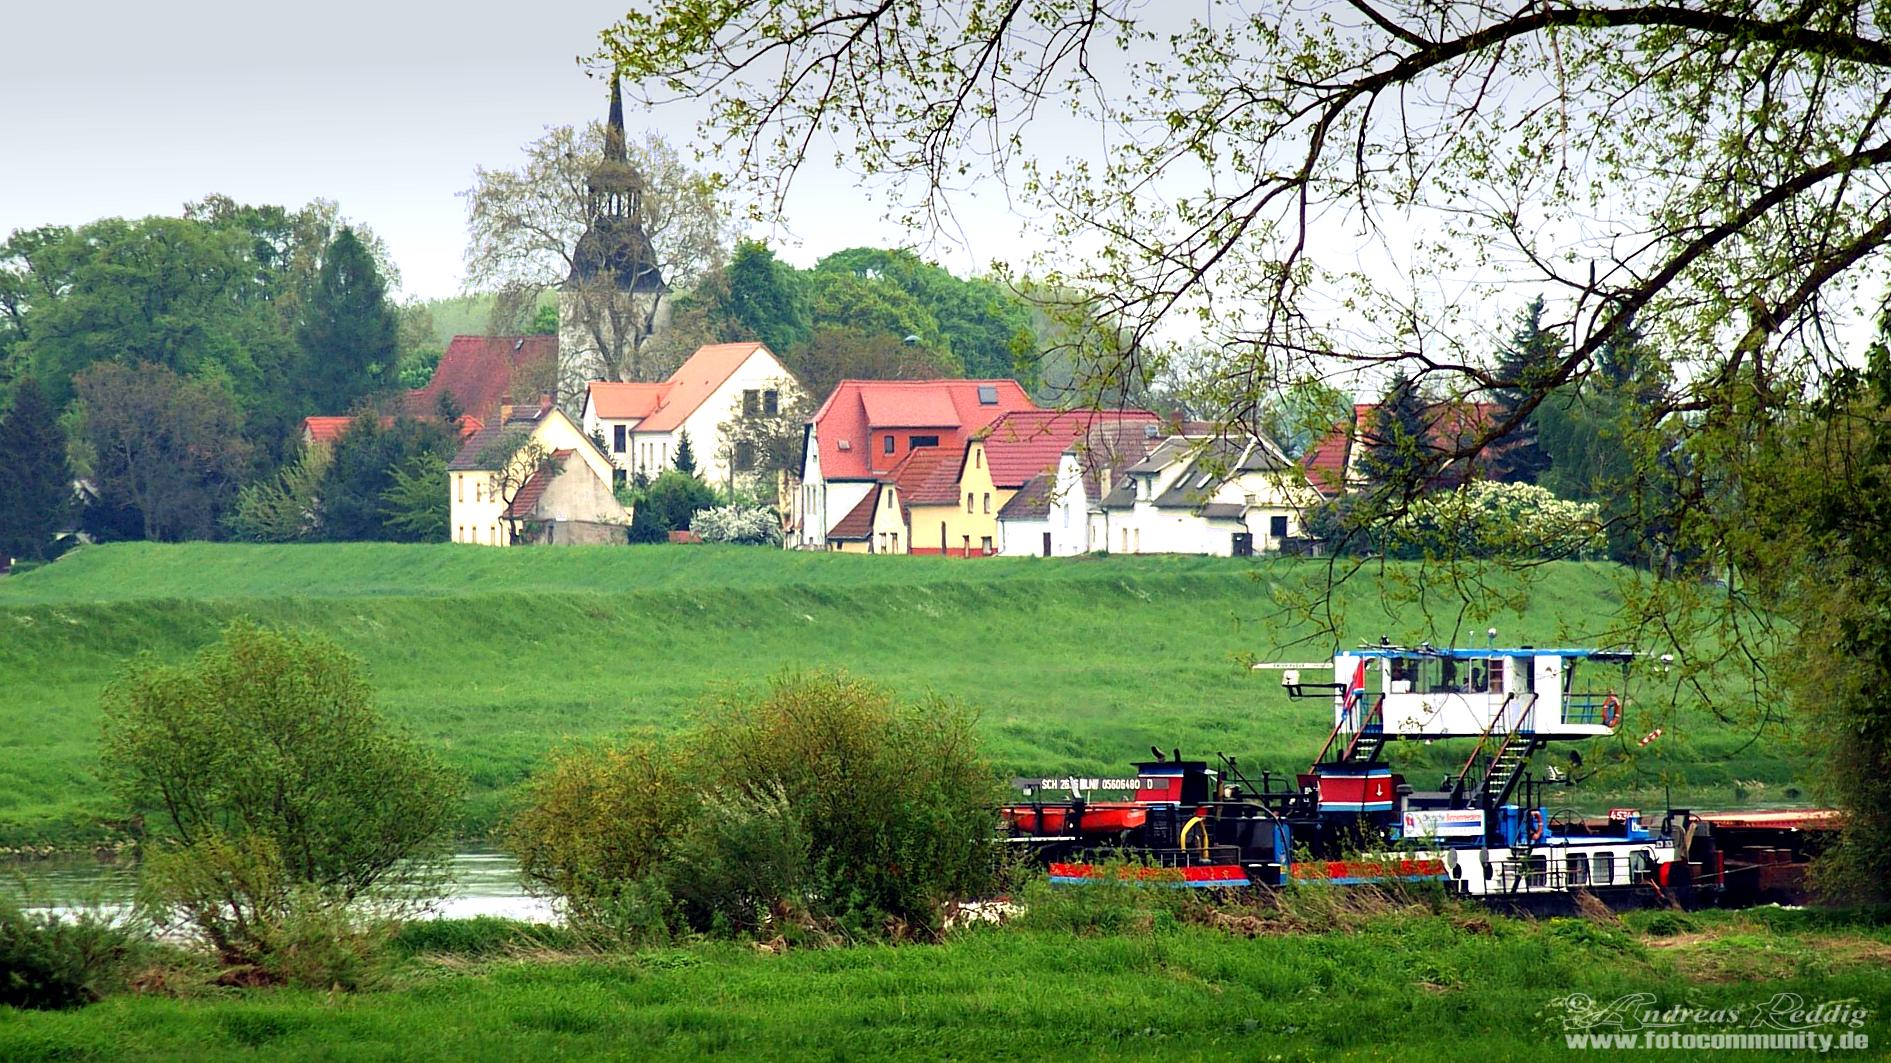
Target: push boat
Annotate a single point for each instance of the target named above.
(1487, 831)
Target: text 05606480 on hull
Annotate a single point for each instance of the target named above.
(1485, 832)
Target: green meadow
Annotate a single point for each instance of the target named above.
(499, 656)
(1413, 985)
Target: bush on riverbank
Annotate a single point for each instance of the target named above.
(286, 818)
(49, 963)
(821, 806)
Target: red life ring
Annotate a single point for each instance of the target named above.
(1537, 829)
(1611, 711)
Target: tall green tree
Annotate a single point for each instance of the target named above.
(1532, 355)
(167, 453)
(767, 299)
(164, 291)
(1398, 439)
(349, 335)
(366, 470)
(35, 482)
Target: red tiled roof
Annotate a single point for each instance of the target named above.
(1023, 443)
(620, 402)
(858, 523)
(324, 429)
(928, 476)
(847, 417)
(480, 372)
(526, 500)
(930, 408)
(694, 381)
(329, 429)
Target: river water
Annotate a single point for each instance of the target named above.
(482, 882)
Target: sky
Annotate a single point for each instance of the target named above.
(132, 109)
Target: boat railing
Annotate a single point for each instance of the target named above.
(1590, 708)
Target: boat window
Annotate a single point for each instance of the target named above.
(1494, 674)
(1578, 869)
(1603, 866)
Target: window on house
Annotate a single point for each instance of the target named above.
(889, 444)
(619, 438)
(987, 395)
(895, 540)
(988, 502)
(751, 402)
(771, 402)
(1277, 527)
(889, 500)
(915, 442)
(968, 502)
(978, 458)
(459, 484)
(984, 543)
(744, 456)
(479, 490)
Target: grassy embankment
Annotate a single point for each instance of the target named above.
(1415, 987)
(498, 656)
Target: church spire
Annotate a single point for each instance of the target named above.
(614, 126)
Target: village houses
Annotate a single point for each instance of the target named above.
(867, 427)
(532, 476)
(642, 425)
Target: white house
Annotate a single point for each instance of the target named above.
(1060, 512)
(498, 497)
(642, 424)
(1195, 495)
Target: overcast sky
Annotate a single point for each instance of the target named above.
(131, 109)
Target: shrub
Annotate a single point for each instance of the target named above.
(748, 525)
(1487, 519)
(48, 962)
(274, 791)
(820, 800)
(667, 505)
(896, 800)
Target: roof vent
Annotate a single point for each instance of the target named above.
(519, 343)
(987, 395)
(843, 445)
(1149, 431)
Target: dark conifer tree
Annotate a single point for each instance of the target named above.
(1398, 438)
(1525, 364)
(35, 482)
(350, 336)
(685, 454)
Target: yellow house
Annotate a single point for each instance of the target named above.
(998, 461)
(496, 500)
(877, 525)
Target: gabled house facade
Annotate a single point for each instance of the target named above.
(868, 427)
(642, 425)
(499, 499)
(1207, 495)
(1059, 513)
(1004, 457)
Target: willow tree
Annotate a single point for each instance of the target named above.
(1345, 190)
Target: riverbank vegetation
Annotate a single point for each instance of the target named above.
(497, 657)
(1157, 983)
